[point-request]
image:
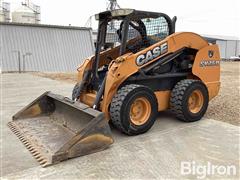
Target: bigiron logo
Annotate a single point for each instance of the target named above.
(205, 63)
(152, 54)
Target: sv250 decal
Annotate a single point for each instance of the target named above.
(205, 63)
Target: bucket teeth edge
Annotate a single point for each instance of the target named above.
(35, 152)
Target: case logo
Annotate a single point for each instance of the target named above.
(152, 54)
(210, 53)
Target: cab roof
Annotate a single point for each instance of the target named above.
(132, 13)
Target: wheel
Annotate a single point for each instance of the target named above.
(133, 109)
(74, 91)
(189, 100)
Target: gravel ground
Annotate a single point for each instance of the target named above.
(67, 77)
(225, 107)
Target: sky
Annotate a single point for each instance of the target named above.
(211, 17)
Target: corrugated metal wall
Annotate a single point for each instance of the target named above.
(228, 48)
(231, 49)
(53, 48)
(238, 48)
(222, 47)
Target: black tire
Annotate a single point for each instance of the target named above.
(179, 100)
(121, 104)
(74, 91)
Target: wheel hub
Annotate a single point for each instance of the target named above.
(140, 111)
(195, 101)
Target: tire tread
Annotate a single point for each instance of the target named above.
(117, 101)
(177, 96)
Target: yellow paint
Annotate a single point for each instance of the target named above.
(163, 99)
(213, 89)
(195, 101)
(32, 111)
(96, 137)
(140, 111)
(88, 98)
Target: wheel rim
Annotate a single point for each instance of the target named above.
(195, 101)
(140, 111)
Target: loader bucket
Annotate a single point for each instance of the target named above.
(55, 128)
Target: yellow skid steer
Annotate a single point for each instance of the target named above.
(141, 66)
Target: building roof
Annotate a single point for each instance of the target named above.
(220, 37)
(45, 26)
(24, 9)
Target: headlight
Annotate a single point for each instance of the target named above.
(121, 12)
(97, 17)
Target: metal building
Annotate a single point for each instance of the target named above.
(27, 13)
(229, 46)
(4, 11)
(45, 48)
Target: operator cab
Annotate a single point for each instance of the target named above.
(128, 31)
(132, 30)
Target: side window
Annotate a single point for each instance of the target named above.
(112, 37)
(157, 29)
(132, 32)
(114, 29)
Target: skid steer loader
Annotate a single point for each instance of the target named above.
(140, 67)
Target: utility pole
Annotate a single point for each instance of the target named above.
(24, 58)
(112, 6)
(19, 60)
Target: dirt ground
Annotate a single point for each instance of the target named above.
(225, 107)
(67, 77)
